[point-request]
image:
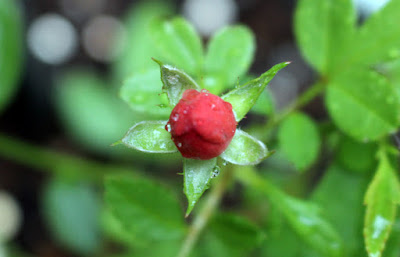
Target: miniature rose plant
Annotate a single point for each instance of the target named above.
(202, 126)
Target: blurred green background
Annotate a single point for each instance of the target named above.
(62, 63)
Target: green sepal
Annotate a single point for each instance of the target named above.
(149, 136)
(175, 82)
(245, 96)
(197, 176)
(245, 150)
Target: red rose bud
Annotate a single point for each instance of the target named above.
(202, 125)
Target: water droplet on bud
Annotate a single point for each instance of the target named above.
(168, 127)
(175, 117)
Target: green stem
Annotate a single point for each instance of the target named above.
(201, 220)
(51, 161)
(308, 95)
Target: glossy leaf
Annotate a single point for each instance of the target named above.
(144, 207)
(304, 217)
(324, 30)
(71, 209)
(299, 140)
(179, 43)
(175, 82)
(245, 96)
(142, 91)
(363, 104)
(138, 47)
(374, 44)
(229, 55)
(11, 53)
(197, 176)
(231, 235)
(151, 137)
(381, 198)
(245, 150)
(93, 115)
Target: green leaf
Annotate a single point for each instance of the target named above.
(245, 96)
(144, 207)
(281, 239)
(392, 248)
(299, 139)
(374, 44)
(165, 248)
(142, 93)
(304, 217)
(91, 113)
(138, 47)
(179, 43)
(245, 150)
(116, 232)
(229, 55)
(11, 44)
(231, 235)
(381, 198)
(197, 176)
(150, 136)
(175, 82)
(324, 30)
(72, 209)
(364, 153)
(363, 104)
(340, 194)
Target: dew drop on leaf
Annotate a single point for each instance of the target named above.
(215, 172)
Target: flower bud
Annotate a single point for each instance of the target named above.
(202, 125)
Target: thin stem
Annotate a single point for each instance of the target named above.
(51, 161)
(301, 101)
(201, 220)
